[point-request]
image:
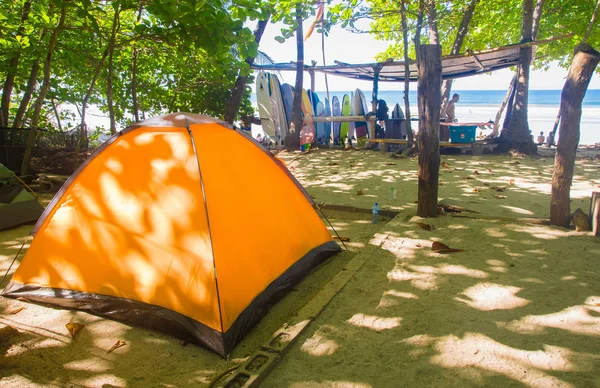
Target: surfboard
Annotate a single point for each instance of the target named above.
(287, 93)
(351, 125)
(396, 126)
(264, 104)
(274, 109)
(336, 110)
(307, 132)
(279, 108)
(345, 127)
(327, 135)
(320, 127)
(360, 126)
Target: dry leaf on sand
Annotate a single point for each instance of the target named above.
(425, 226)
(439, 247)
(74, 328)
(117, 345)
(342, 238)
(15, 311)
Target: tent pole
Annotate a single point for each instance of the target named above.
(329, 222)
(189, 130)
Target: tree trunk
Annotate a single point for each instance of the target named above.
(56, 114)
(13, 65)
(456, 47)
(508, 98)
(419, 26)
(237, 93)
(517, 135)
(82, 141)
(434, 37)
(584, 63)
(537, 16)
(409, 132)
(42, 95)
(20, 117)
(292, 141)
(109, 81)
(134, 54)
(429, 96)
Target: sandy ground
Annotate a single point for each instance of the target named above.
(520, 307)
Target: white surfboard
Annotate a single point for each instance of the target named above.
(279, 107)
(264, 104)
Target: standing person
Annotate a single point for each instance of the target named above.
(449, 113)
(550, 139)
(381, 115)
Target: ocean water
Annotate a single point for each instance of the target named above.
(483, 105)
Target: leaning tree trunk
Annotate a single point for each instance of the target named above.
(429, 96)
(82, 141)
(517, 135)
(292, 141)
(458, 41)
(31, 83)
(584, 64)
(13, 65)
(233, 103)
(42, 95)
(409, 132)
(508, 98)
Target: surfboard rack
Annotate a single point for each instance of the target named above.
(341, 119)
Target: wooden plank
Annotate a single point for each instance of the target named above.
(442, 143)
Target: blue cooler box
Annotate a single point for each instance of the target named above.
(462, 133)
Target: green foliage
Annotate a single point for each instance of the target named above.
(189, 53)
(494, 24)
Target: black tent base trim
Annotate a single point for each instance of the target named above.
(168, 321)
(275, 291)
(125, 310)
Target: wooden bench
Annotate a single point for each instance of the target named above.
(476, 147)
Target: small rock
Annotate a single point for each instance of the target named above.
(580, 221)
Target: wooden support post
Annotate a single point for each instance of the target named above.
(595, 213)
(429, 100)
(373, 124)
(312, 79)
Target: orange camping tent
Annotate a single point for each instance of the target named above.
(162, 228)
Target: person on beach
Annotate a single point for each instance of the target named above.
(541, 138)
(381, 115)
(449, 113)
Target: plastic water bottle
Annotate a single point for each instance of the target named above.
(393, 192)
(376, 210)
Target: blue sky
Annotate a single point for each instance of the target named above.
(347, 47)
